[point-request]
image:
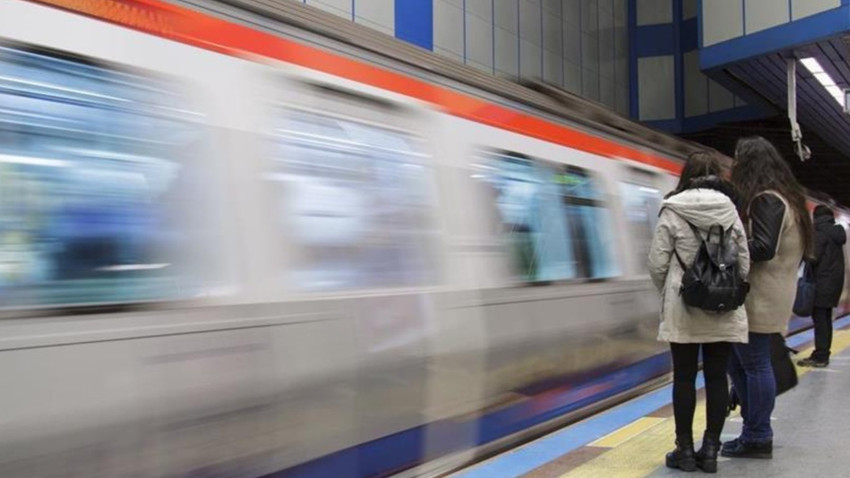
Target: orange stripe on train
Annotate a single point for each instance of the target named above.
(204, 31)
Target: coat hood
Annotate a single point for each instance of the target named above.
(826, 225)
(703, 208)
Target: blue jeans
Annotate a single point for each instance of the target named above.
(752, 375)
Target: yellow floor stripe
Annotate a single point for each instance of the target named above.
(637, 457)
(645, 441)
(628, 432)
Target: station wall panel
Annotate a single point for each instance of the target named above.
(654, 12)
(719, 98)
(340, 8)
(572, 76)
(590, 84)
(589, 16)
(696, 86)
(507, 39)
(479, 26)
(377, 14)
(763, 14)
(656, 88)
(572, 12)
(531, 38)
(448, 29)
(722, 20)
(689, 9)
(684, 99)
(805, 8)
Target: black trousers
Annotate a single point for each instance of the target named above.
(822, 317)
(715, 357)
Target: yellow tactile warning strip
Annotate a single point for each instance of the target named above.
(569, 461)
(639, 456)
(626, 433)
(638, 449)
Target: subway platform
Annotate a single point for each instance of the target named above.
(811, 425)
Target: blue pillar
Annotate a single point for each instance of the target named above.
(414, 22)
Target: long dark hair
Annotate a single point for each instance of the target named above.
(699, 164)
(758, 168)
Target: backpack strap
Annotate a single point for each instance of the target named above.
(698, 236)
(695, 231)
(679, 258)
(721, 237)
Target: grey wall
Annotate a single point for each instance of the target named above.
(580, 45)
(728, 19)
(378, 14)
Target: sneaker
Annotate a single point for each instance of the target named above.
(741, 449)
(810, 362)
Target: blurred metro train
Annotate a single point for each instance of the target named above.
(248, 238)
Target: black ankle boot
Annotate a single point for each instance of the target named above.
(706, 457)
(683, 456)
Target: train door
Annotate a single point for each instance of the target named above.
(349, 193)
(640, 196)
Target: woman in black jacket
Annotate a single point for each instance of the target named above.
(828, 268)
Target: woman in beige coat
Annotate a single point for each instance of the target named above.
(702, 200)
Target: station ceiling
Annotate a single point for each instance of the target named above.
(762, 80)
(826, 175)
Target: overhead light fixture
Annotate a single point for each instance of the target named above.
(815, 68)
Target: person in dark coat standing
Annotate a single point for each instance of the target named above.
(828, 268)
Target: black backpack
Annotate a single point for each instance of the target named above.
(713, 281)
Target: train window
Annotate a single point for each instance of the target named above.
(355, 200)
(640, 204)
(590, 224)
(553, 219)
(94, 168)
(532, 216)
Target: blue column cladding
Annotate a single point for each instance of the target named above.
(414, 22)
(675, 39)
